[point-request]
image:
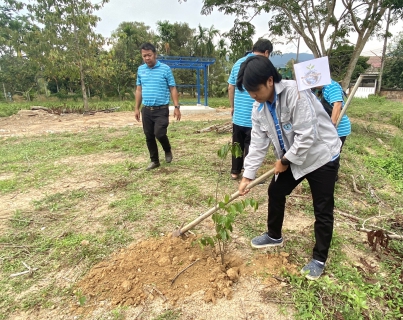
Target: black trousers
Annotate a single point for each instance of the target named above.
(242, 136)
(321, 182)
(155, 125)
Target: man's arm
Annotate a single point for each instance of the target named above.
(231, 96)
(336, 111)
(175, 99)
(138, 103)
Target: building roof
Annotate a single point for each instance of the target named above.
(375, 61)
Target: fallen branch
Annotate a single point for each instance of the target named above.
(224, 128)
(22, 273)
(207, 129)
(375, 217)
(30, 271)
(173, 280)
(355, 186)
(40, 108)
(347, 215)
(391, 235)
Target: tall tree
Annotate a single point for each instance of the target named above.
(393, 71)
(67, 31)
(210, 34)
(240, 35)
(338, 62)
(19, 74)
(200, 40)
(167, 33)
(321, 23)
(125, 57)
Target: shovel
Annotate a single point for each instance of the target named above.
(208, 213)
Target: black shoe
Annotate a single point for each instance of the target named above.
(153, 165)
(168, 157)
(234, 176)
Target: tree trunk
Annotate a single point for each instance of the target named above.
(385, 42)
(83, 89)
(296, 59)
(118, 90)
(353, 62)
(5, 93)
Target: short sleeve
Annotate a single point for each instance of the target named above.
(138, 81)
(232, 76)
(170, 78)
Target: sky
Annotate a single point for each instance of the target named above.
(151, 11)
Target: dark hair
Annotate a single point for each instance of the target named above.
(254, 71)
(262, 45)
(147, 46)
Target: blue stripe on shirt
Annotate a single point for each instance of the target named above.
(332, 93)
(243, 103)
(155, 83)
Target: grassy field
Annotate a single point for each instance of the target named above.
(60, 190)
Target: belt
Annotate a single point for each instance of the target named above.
(157, 107)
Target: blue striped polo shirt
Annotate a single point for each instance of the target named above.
(332, 93)
(155, 83)
(243, 103)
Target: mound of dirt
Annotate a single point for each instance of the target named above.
(173, 269)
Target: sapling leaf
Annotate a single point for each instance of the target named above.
(210, 201)
(223, 234)
(236, 150)
(223, 151)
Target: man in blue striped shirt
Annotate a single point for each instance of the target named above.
(333, 94)
(155, 82)
(241, 106)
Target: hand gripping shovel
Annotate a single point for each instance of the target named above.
(208, 213)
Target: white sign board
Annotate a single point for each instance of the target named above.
(312, 73)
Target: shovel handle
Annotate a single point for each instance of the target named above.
(216, 207)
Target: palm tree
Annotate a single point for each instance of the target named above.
(211, 33)
(200, 40)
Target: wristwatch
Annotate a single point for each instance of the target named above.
(177, 107)
(285, 162)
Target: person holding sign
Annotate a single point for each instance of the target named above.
(306, 146)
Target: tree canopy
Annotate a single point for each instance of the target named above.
(322, 24)
(52, 48)
(393, 71)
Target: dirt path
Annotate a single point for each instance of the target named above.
(29, 123)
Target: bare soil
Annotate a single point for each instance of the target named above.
(39, 122)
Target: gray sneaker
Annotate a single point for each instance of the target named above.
(264, 241)
(313, 270)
